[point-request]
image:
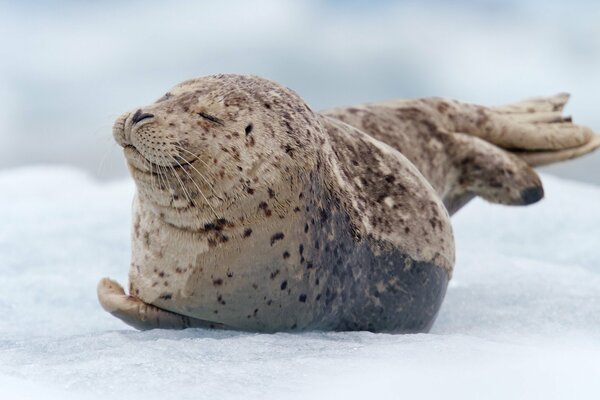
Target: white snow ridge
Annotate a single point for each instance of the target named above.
(521, 319)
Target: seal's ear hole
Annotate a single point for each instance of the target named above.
(248, 129)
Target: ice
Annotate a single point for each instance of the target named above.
(521, 318)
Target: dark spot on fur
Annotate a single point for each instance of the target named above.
(274, 274)
(277, 236)
(165, 97)
(442, 107)
(217, 282)
(324, 215)
(271, 193)
(166, 296)
(301, 248)
(248, 129)
(305, 228)
(286, 255)
(302, 298)
(247, 232)
(289, 150)
(283, 285)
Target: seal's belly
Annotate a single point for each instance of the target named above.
(306, 272)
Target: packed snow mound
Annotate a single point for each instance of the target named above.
(521, 317)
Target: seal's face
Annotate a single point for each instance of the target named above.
(212, 141)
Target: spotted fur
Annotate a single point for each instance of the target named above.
(253, 212)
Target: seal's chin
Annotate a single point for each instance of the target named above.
(136, 159)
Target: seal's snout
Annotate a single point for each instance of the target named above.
(140, 116)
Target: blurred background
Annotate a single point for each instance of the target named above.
(69, 68)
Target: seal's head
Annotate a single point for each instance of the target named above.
(213, 141)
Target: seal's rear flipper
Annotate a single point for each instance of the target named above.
(531, 125)
(541, 158)
(545, 115)
(489, 172)
(142, 316)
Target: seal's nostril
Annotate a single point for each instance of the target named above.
(140, 116)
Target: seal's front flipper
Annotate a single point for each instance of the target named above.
(142, 316)
(489, 172)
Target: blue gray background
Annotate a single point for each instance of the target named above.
(70, 68)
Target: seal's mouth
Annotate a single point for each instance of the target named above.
(139, 162)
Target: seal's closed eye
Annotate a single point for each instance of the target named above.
(211, 118)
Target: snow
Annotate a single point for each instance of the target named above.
(521, 318)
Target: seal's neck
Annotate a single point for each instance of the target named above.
(244, 207)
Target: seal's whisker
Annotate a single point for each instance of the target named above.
(181, 184)
(210, 185)
(264, 183)
(195, 184)
(187, 195)
(168, 186)
(161, 183)
(108, 152)
(197, 157)
(152, 183)
(169, 168)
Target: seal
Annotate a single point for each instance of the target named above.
(253, 212)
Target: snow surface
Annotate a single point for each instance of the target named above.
(521, 318)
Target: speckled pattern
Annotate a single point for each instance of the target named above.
(253, 212)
